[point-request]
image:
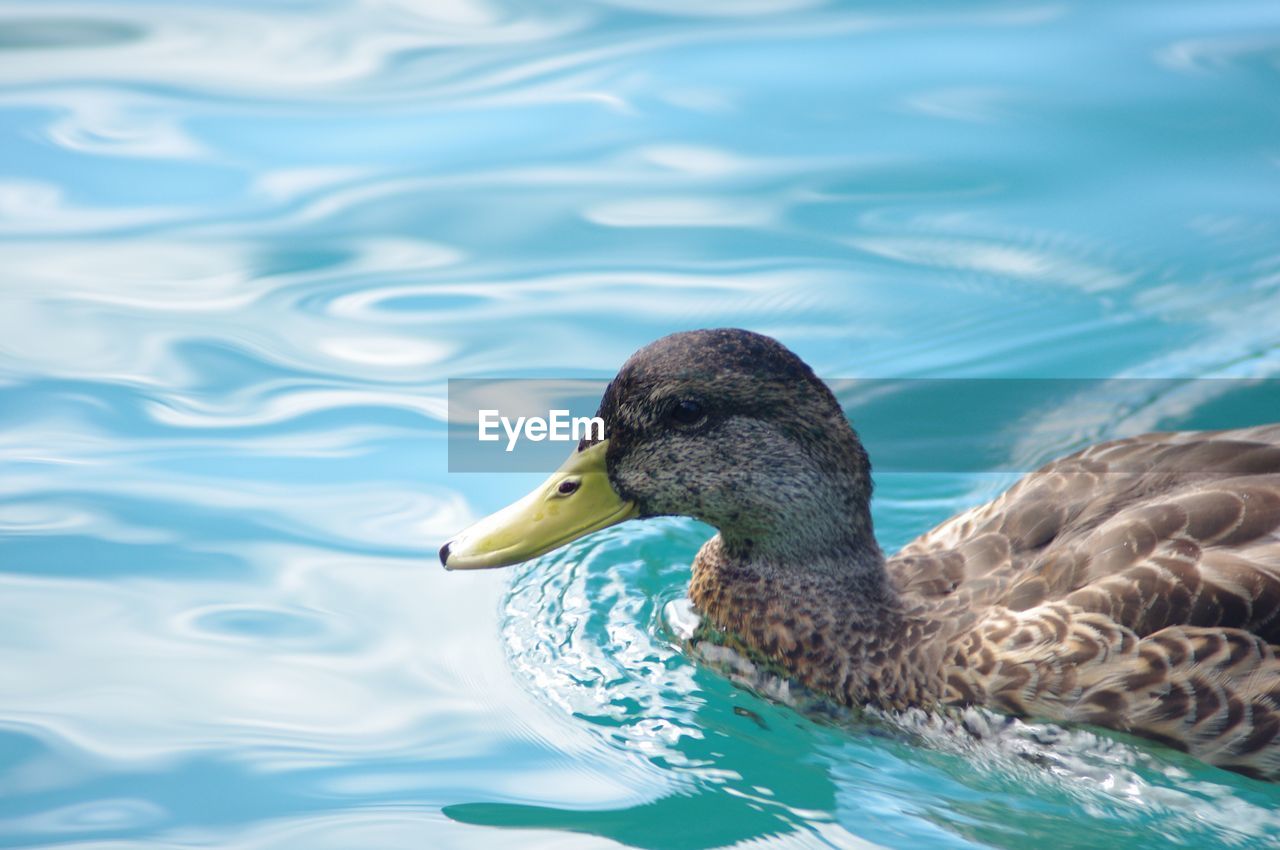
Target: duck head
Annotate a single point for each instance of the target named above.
(726, 426)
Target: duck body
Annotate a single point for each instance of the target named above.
(1134, 584)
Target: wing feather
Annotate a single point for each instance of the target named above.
(1134, 584)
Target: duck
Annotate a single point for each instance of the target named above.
(1132, 585)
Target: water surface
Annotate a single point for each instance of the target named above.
(245, 244)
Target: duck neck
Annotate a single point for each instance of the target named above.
(847, 572)
(817, 521)
(808, 590)
(833, 623)
(840, 549)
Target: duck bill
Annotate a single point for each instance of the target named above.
(575, 501)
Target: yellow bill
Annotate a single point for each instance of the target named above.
(576, 500)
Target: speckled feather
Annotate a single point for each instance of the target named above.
(1134, 584)
(1091, 592)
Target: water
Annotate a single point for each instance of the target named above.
(244, 244)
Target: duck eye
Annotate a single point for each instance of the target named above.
(686, 413)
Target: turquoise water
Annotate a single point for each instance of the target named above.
(245, 244)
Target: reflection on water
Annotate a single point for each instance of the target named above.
(246, 244)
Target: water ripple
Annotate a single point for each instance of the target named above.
(583, 629)
(246, 244)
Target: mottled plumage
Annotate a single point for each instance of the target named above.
(1133, 585)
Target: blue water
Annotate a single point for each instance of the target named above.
(244, 244)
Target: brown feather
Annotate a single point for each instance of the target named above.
(1134, 585)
